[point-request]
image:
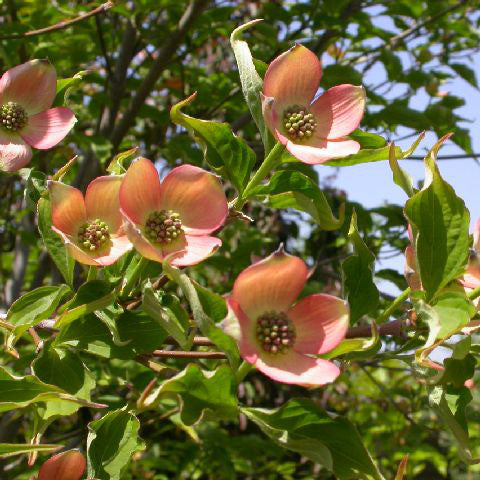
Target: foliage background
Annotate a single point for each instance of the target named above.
(139, 58)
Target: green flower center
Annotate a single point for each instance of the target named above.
(93, 235)
(13, 117)
(298, 123)
(275, 332)
(163, 226)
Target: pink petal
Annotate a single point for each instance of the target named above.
(103, 202)
(197, 249)
(295, 368)
(470, 280)
(272, 284)
(68, 207)
(338, 111)
(118, 247)
(33, 85)
(476, 236)
(293, 77)
(69, 465)
(44, 130)
(14, 152)
(247, 342)
(141, 244)
(324, 151)
(321, 322)
(140, 191)
(410, 270)
(197, 196)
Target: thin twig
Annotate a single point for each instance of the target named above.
(188, 355)
(61, 25)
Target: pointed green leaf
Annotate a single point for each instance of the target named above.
(358, 271)
(198, 391)
(302, 426)
(111, 442)
(292, 189)
(64, 262)
(226, 153)
(252, 84)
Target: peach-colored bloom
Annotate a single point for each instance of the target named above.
(69, 465)
(27, 92)
(471, 278)
(175, 215)
(90, 227)
(313, 131)
(277, 336)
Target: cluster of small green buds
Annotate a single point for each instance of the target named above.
(93, 235)
(12, 116)
(275, 332)
(163, 226)
(298, 123)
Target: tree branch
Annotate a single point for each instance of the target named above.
(61, 25)
(164, 55)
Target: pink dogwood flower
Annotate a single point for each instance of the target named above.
(90, 227)
(69, 465)
(27, 92)
(313, 131)
(176, 215)
(277, 336)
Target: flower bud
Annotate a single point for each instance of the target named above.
(64, 466)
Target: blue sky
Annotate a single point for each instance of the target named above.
(372, 185)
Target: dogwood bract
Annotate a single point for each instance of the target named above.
(27, 92)
(175, 215)
(313, 131)
(276, 335)
(90, 227)
(69, 465)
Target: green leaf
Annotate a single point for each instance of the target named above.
(66, 85)
(287, 189)
(366, 155)
(454, 311)
(19, 392)
(33, 307)
(227, 154)
(139, 333)
(117, 166)
(64, 262)
(440, 221)
(169, 319)
(465, 72)
(91, 296)
(358, 271)
(10, 449)
(400, 177)
(252, 84)
(199, 391)
(204, 323)
(111, 442)
(368, 140)
(337, 74)
(108, 316)
(64, 369)
(35, 185)
(213, 304)
(450, 405)
(302, 426)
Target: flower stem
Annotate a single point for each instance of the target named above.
(266, 167)
(243, 370)
(138, 270)
(394, 305)
(474, 294)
